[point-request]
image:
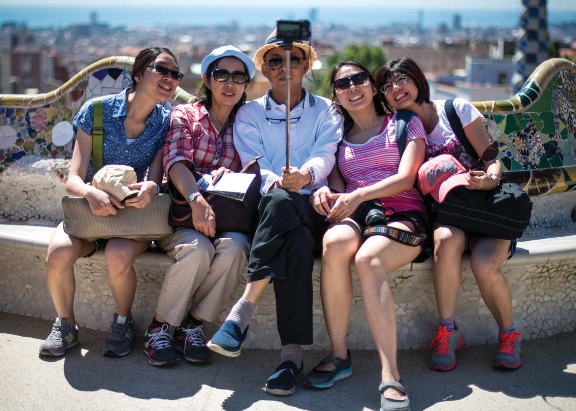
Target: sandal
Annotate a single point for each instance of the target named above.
(387, 404)
(326, 379)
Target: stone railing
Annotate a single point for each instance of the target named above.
(536, 133)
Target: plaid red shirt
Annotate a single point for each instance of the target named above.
(193, 139)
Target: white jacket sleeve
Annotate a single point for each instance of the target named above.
(321, 159)
(248, 142)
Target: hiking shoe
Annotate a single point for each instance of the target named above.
(283, 381)
(62, 337)
(387, 404)
(326, 379)
(509, 352)
(443, 347)
(228, 339)
(158, 347)
(120, 336)
(191, 342)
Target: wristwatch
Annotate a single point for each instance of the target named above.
(193, 196)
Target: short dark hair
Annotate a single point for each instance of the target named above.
(204, 95)
(145, 58)
(377, 100)
(408, 67)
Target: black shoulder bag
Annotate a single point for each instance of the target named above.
(503, 212)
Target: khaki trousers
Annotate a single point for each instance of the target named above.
(205, 269)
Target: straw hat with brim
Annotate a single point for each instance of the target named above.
(272, 42)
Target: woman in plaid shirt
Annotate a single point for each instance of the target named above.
(206, 265)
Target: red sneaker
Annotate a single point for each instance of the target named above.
(508, 356)
(443, 347)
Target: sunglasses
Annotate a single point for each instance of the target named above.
(343, 84)
(222, 76)
(277, 62)
(489, 154)
(399, 80)
(164, 71)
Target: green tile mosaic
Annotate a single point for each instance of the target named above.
(548, 119)
(555, 161)
(539, 125)
(498, 118)
(544, 163)
(511, 125)
(533, 116)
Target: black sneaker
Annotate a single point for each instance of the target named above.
(190, 341)
(283, 381)
(158, 347)
(120, 336)
(62, 337)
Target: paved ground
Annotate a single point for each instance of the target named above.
(85, 380)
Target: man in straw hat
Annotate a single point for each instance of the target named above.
(289, 230)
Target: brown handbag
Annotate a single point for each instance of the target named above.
(231, 215)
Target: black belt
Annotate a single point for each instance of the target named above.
(396, 234)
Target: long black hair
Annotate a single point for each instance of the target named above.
(377, 100)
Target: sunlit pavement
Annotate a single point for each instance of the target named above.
(85, 380)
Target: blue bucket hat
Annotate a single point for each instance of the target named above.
(227, 51)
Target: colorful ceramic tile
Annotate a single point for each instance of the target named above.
(8, 137)
(62, 133)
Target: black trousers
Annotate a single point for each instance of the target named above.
(283, 248)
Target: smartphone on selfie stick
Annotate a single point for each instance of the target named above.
(289, 31)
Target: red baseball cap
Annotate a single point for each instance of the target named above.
(441, 174)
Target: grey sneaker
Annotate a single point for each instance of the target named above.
(443, 347)
(509, 351)
(120, 336)
(62, 337)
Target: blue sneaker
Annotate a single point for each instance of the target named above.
(283, 381)
(228, 339)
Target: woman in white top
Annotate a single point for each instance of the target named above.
(405, 88)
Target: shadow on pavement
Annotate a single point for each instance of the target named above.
(542, 375)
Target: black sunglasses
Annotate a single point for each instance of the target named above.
(277, 62)
(221, 75)
(489, 154)
(343, 84)
(293, 120)
(164, 71)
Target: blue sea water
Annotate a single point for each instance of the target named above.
(39, 17)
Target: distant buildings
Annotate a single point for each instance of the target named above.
(484, 79)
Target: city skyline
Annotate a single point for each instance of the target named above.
(424, 4)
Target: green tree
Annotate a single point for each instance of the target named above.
(371, 57)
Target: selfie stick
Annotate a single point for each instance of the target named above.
(288, 48)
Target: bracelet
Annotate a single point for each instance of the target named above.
(157, 188)
(496, 175)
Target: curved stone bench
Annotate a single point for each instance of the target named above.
(542, 278)
(536, 134)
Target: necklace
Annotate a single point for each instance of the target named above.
(131, 127)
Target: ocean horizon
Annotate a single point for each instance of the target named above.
(58, 17)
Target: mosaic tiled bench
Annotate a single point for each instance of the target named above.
(535, 130)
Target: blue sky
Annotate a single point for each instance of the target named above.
(425, 4)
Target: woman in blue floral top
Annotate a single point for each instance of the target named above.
(135, 125)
